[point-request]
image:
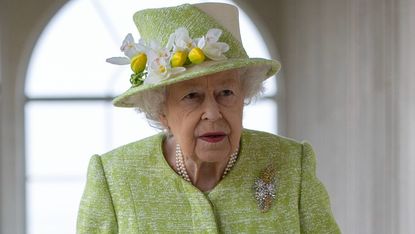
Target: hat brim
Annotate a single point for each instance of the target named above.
(261, 70)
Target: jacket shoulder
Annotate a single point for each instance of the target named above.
(256, 137)
(146, 146)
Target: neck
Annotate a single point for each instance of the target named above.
(203, 175)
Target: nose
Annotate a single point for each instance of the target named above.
(211, 110)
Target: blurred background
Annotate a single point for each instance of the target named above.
(347, 86)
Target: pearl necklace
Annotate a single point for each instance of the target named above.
(182, 169)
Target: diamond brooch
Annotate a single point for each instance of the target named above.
(265, 188)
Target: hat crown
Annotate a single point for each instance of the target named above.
(225, 14)
(158, 24)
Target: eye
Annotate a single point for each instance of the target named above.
(192, 95)
(226, 92)
(227, 97)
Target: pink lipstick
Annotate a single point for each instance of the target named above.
(213, 137)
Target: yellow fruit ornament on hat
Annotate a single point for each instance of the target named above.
(138, 63)
(178, 59)
(196, 56)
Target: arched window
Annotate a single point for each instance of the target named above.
(69, 115)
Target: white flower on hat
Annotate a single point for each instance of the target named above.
(210, 46)
(130, 49)
(181, 41)
(155, 50)
(159, 67)
(152, 63)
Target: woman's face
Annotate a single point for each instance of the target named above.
(205, 115)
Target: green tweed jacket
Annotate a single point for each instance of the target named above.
(133, 189)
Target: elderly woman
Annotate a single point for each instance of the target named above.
(205, 173)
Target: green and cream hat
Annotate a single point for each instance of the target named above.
(182, 43)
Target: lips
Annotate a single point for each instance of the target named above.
(213, 137)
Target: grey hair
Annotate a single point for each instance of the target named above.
(152, 102)
(252, 87)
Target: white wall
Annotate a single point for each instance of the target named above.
(405, 116)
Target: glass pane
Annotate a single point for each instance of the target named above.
(69, 59)
(52, 205)
(61, 136)
(270, 87)
(261, 116)
(127, 125)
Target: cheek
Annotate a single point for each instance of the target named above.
(182, 125)
(238, 112)
(235, 122)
